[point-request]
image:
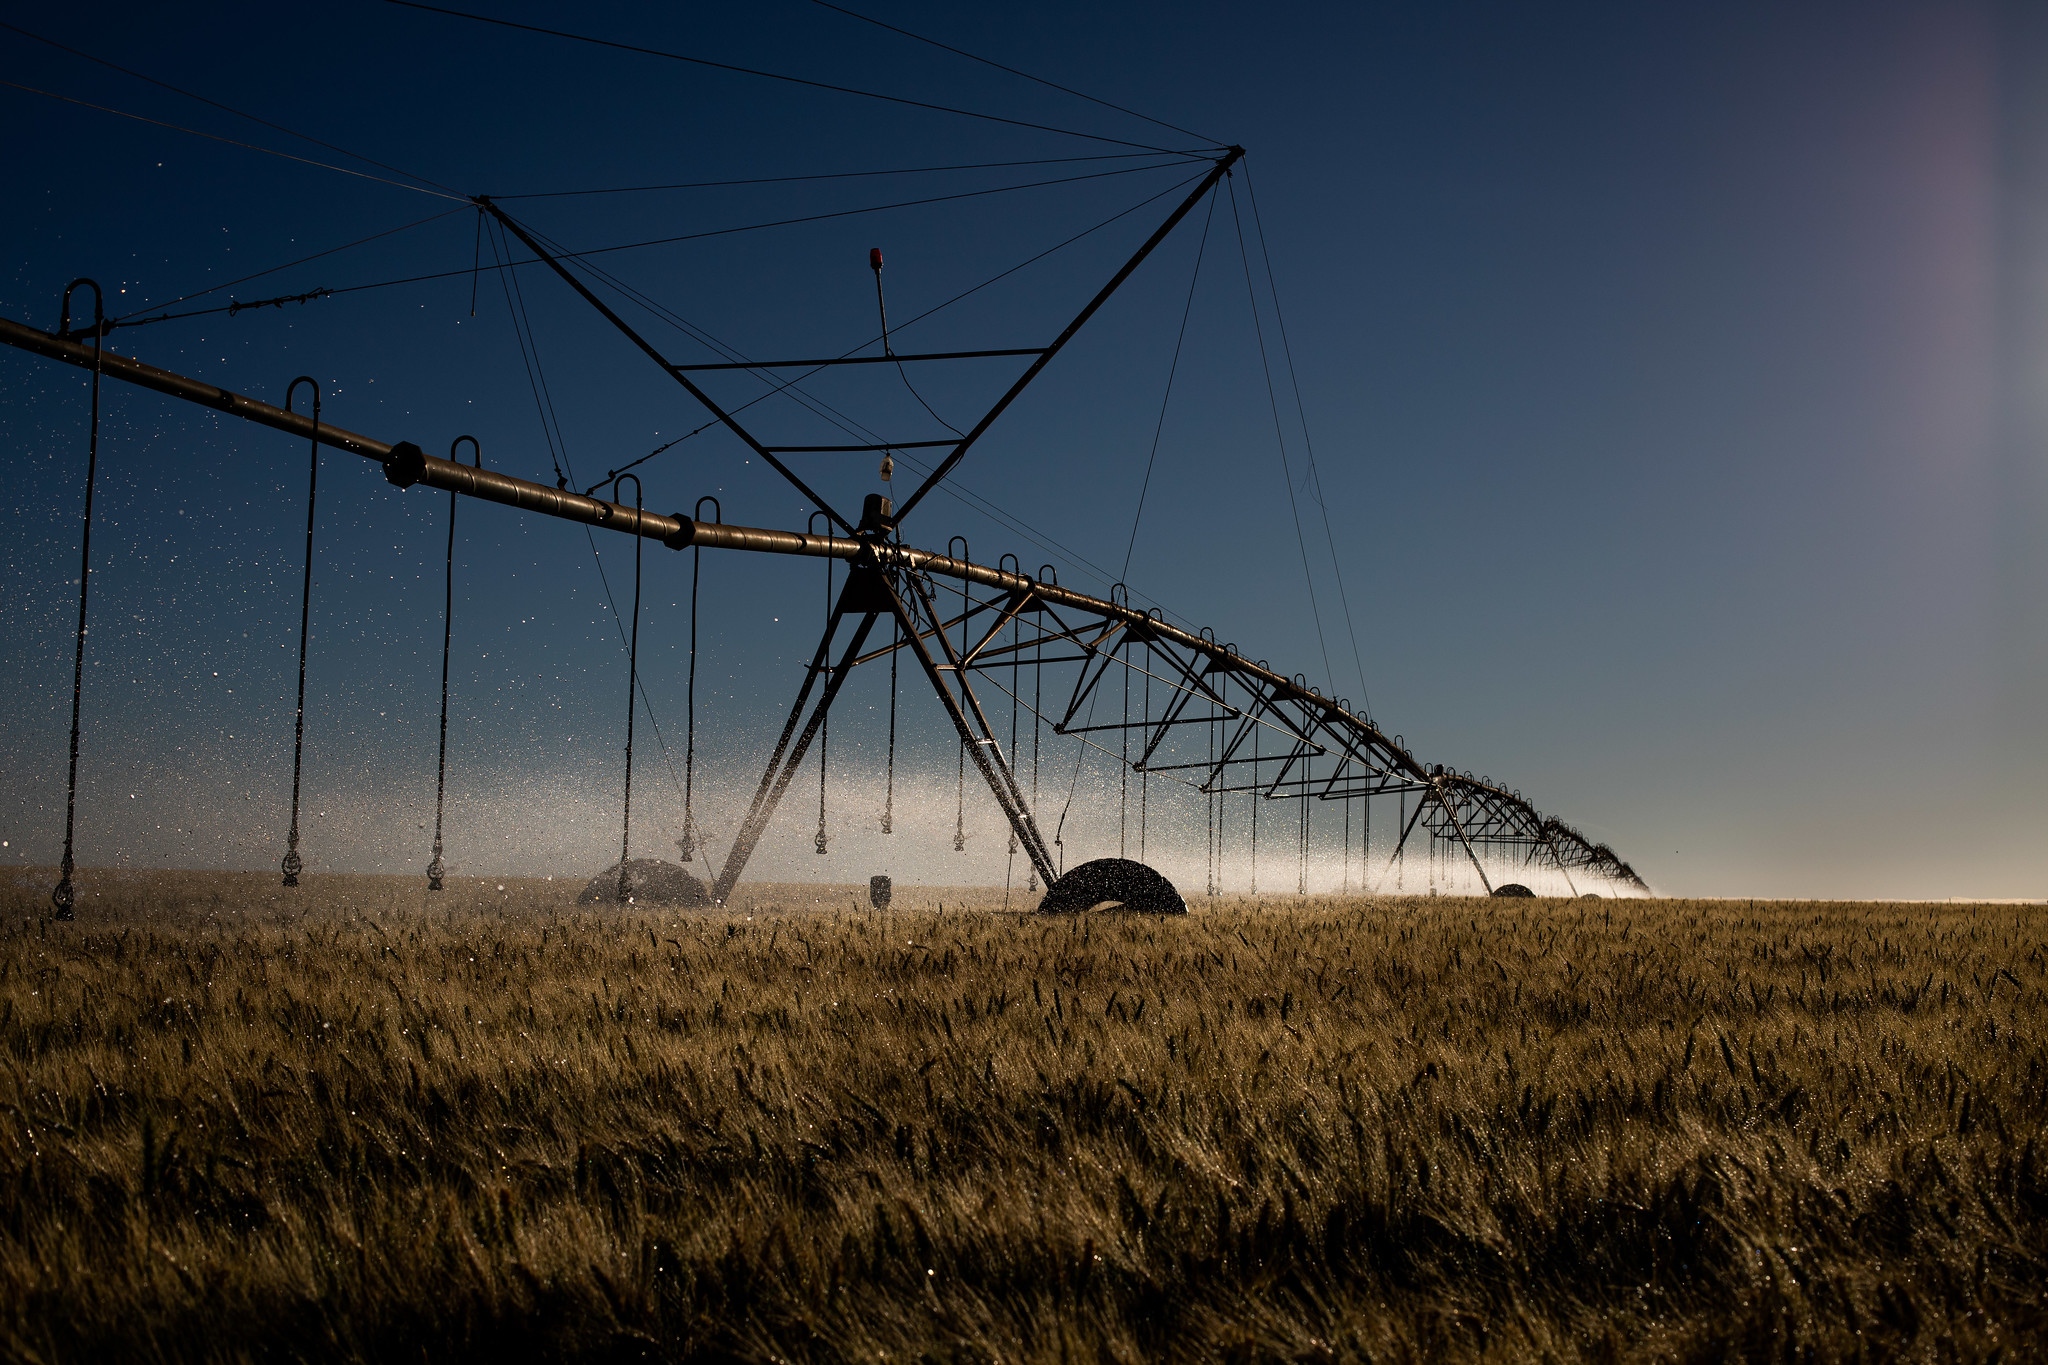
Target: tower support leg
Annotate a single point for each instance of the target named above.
(987, 753)
(783, 763)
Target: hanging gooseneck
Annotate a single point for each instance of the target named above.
(1301, 873)
(889, 781)
(1123, 793)
(64, 896)
(689, 842)
(1400, 850)
(1253, 796)
(960, 807)
(436, 871)
(818, 841)
(1145, 775)
(632, 690)
(293, 865)
(1047, 574)
(1011, 563)
(1214, 844)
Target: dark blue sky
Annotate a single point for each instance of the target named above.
(1674, 375)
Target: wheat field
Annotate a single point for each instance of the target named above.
(353, 1122)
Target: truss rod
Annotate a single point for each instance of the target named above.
(730, 422)
(858, 360)
(782, 770)
(938, 476)
(988, 756)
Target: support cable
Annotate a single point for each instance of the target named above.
(234, 142)
(230, 109)
(1273, 399)
(134, 318)
(293, 864)
(138, 321)
(839, 175)
(1036, 80)
(558, 452)
(64, 896)
(1172, 370)
(585, 255)
(507, 278)
(450, 274)
(769, 75)
(1301, 413)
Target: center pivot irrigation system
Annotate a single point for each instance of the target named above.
(1210, 718)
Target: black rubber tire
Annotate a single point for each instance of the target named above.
(649, 881)
(1120, 883)
(1513, 889)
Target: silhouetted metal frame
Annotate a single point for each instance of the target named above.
(1099, 631)
(1041, 357)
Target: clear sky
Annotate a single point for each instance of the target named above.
(1677, 379)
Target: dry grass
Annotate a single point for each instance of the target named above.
(339, 1126)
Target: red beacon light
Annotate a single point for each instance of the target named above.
(875, 259)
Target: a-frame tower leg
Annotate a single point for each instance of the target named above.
(784, 762)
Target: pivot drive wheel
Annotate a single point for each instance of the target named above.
(1118, 883)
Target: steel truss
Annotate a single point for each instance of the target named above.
(1326, 750)
(1274, 737)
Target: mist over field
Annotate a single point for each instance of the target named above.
(569, 827)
